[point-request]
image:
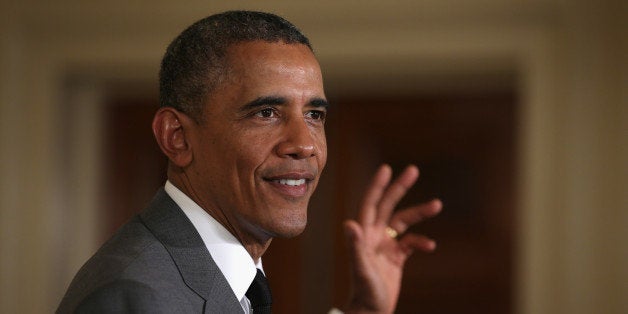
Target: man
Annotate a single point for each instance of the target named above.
(242, 123)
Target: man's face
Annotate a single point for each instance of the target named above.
(260, 149)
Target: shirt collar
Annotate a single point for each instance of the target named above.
(232, 259)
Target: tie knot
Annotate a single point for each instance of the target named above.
(259, 294)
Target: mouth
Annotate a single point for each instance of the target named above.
(290, 182)
(291, 185)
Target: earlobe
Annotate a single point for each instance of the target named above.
(169, 130)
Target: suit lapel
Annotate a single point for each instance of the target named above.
(199, 271)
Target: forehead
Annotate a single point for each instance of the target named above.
(258, 69)
(259, 60)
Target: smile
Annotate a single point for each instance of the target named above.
(290, 182)
(293, 185)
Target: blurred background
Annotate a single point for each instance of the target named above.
(516, 113)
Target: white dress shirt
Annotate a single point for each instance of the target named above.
(232, 259)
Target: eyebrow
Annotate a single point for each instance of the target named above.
(277, 100)
(319, 103)
(264, 101)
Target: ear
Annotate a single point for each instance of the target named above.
(169, 126)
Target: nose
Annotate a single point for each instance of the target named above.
(298, 141)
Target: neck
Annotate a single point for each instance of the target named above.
(255, 243)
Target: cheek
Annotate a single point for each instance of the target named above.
(250, 153)
(322, 144)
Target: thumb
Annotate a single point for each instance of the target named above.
(354, 236)
(353, 231)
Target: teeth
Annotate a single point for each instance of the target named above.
(291, 182)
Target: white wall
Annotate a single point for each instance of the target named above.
(570, 59)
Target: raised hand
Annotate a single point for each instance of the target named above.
(378, 245)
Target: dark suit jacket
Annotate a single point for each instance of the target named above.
(156, 263)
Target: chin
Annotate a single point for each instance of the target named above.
(289, 227)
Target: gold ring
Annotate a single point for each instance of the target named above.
(391, 232)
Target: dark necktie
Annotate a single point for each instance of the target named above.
(259, 294)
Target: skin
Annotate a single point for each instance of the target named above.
(266, 120)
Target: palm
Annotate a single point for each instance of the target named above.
(377, 258)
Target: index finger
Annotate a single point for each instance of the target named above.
(373, 194)
(395, 192)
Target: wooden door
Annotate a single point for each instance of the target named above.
(464, 146)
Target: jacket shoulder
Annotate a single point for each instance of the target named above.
(129, 272)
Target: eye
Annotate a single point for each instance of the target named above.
(266, 113)
(316, 115)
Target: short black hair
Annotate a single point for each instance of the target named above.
(195, 62)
